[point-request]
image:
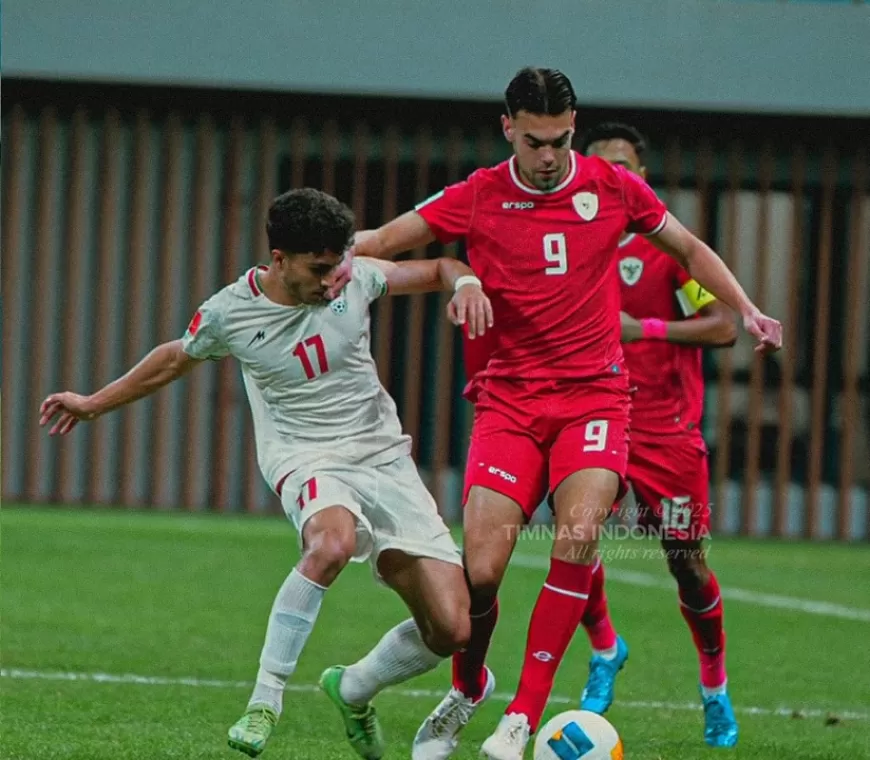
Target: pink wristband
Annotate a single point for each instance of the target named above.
(654, 329)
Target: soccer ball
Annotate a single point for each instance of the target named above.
(578, 735)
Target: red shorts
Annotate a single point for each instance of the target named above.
(532, 434)
(670, 479)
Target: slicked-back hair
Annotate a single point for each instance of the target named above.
(539, 91)
(309, 221)
(614, 130)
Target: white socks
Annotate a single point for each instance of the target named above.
(293, 614)
(398, 656)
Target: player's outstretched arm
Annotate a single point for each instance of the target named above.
(164, 364)
(404, 233)
(469, 303)
(710, 272)
(714, 327)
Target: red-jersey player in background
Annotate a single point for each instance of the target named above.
(552, 404)
(667, 318)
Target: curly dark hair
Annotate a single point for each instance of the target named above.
(309, 221)
(614, 130)
(539, 91)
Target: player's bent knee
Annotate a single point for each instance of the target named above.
(326, 554)
(448, 633)
(687, 565)
(484, 575)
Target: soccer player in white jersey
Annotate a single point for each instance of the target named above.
(330, 444)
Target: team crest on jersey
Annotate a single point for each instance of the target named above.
(630, 269)
(586, 205)
(338, 305)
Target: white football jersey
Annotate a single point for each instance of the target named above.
(308, 371)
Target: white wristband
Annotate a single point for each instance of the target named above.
(467, 279)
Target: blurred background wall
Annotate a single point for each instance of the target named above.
(142, 144)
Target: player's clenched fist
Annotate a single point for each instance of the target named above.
(470, 305)
(71, 407)
(766, 330)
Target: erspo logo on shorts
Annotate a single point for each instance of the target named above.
(502, 474)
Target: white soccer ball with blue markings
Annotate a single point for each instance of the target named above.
(578, 735)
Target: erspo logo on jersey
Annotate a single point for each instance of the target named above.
(517, 205)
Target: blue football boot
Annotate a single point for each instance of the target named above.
(598, 693)
(720, 724)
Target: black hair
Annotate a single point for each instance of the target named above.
(309, 221)
(614, 130)
(539, 91)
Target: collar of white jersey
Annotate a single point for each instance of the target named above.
(569, 177)
(254, 280)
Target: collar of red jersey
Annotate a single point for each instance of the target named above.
(569, 178)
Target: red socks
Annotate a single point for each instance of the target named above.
(557, 614)
(469, 675)
(596, 617)
(703, 612)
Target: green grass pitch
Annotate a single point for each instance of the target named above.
(171, 597)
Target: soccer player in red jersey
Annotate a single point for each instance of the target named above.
(552, 403)
(667, 318)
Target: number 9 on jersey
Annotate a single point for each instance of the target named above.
(556, 253)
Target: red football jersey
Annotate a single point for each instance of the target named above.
(477, 352)
(668, 376)
(546, 260)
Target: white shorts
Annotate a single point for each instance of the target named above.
(392, 507)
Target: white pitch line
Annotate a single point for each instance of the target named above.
(211, 683)
(792, 603)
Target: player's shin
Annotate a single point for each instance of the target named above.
(702, 610)
(596, 616)
(291, 620)
(555, 618)
(701, 607)
(469, 672)
(582, 502)
(399, 656)
(492, 522)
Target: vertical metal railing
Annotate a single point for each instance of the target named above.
(790, 343)
(749, 514)
(856, 294)
(135, 420)
(41, 302)
(819, 394)
(16, 155)
(413, 391)
(726, 369)
(444, 349)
